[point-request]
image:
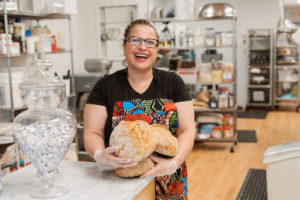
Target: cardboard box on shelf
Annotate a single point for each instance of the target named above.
(10, 155)
(188, 75)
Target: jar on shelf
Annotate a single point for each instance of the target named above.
(228, 132)
(44, 131)
(227, 120)
(216, 132)
(210, 37)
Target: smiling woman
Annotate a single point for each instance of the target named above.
(140, 42)
(141, 92)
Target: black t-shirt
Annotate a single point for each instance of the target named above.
(155, 105)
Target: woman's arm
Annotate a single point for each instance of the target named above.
(186, 131)
(94, 122)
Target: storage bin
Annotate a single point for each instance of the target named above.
(283, 171)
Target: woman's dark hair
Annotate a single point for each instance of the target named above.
(134, 23)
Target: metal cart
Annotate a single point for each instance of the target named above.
(260, 68)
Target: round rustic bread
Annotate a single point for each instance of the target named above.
(136, 140)
(166, 142)
(142, 167)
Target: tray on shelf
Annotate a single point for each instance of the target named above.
(15, 14)
(203, 109)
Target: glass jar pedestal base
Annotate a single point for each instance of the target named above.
(46, 188)
(53, 192)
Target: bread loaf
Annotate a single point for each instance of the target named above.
(166, 142)
(136, 140)
(142, 167)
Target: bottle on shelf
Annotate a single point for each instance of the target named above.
(190, 38)
(166, 38)
(223, 98)
(60, 41)
(218, 39)
(213, 98)
(183, 39)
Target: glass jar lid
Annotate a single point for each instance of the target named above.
(40, 77)
(40, 88)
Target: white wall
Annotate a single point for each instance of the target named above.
(251, 14)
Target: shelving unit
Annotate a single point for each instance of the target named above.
(286, 70)
(8, 115)
(260, 68)
(229, 53)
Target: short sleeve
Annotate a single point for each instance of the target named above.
(180, 92)
(97, 95)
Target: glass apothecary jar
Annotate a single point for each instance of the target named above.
(44, 131)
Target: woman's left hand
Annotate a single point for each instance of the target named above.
(163, 167)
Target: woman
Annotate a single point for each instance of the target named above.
(141, 92)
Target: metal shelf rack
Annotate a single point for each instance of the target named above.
(286, 72)
(196, 86)
(9, 114)
(260, 68)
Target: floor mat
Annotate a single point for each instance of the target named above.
(246, 136)
(257, 115)
(254, 186)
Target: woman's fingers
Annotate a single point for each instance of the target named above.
(131, 164)
(111, 150)
(151, 173)
(155, 158)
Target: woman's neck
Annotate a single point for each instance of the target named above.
(139, 80)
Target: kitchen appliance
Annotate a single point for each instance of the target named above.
(99, 65)
(217, 11)
(95, 68)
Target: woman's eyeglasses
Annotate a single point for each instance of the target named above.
(137, 41)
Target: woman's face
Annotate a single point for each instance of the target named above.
(140, 57)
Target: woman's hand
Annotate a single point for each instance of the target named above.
(163, 167)
(106, 157)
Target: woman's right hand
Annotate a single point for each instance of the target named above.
(106, 157)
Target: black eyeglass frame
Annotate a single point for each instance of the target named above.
(141, 39)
